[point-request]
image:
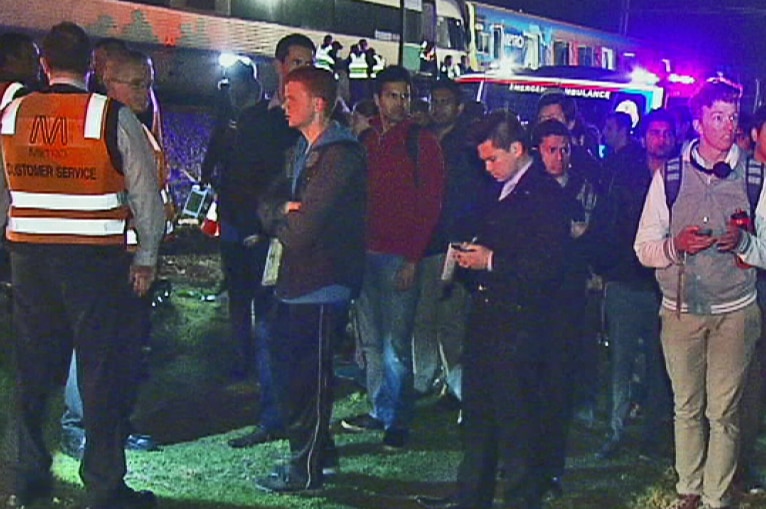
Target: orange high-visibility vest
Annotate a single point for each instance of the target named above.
(64, 188)
(8, 91)
(167, 202)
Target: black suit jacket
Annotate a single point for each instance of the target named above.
(527, 232)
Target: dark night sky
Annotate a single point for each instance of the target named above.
(728, 35)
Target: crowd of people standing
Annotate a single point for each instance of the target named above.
(467, 246)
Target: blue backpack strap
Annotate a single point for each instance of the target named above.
(754, 173)
(671, 175)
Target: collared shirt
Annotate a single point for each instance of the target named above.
(139, 170)
(511, 183)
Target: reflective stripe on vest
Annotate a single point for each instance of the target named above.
(94, 117)
(11, 89)
(63, 186)
(323, 60)
(8, 127)
(380, 64)
(61, 226)
(357, 67)
(49, 201)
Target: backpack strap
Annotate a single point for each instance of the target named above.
(754, 173)
(671, 175)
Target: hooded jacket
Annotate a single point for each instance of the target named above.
(323, 242)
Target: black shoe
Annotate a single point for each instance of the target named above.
(283, 481)
(610, 449)
(395, 439)
(439, 502)
(129, 499)
(143, 443)
(256, 437)
(330, 467)
(361, 423)
(73, 443)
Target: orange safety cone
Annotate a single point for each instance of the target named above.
(210, 225)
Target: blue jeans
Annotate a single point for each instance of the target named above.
(386, 318)
(270, 417)
(633, 314)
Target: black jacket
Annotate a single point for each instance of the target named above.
(527, 231)
(243, 158)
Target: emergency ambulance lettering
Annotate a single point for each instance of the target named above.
(48, 129)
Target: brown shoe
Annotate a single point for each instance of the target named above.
(686, 502)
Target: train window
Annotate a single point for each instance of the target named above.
(585, 56)
(497, 42)
(451, 33)
(560, 53)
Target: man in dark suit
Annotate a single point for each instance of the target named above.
(517, 260)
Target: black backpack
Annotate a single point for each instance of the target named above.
(754, 174)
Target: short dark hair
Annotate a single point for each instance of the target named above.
(319, 82)
(502, 127)
(419, 105)
(66, 47)
(242, 71)
(568, 105)
(550, 127)
(288, 41)
(392, 74)
(449, 86)
(658, 115)
(715, 89)
(622, 119)
(366, 108)
(759, 119)
(110, 44)
(11, 45)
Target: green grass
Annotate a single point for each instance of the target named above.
(190, 405)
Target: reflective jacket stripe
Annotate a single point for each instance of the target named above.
(357, 67)
(152, 140)
(61, 226)
(10, 91)
(94, 116)
(50, 201)
(9, 118)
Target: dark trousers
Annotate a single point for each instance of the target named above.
(65, 298)
(501, 407)
(555, 377)
(139, 309)
(301, 354)
(248, 300)
(248, 303)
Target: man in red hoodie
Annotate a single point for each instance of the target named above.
(405, 189)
